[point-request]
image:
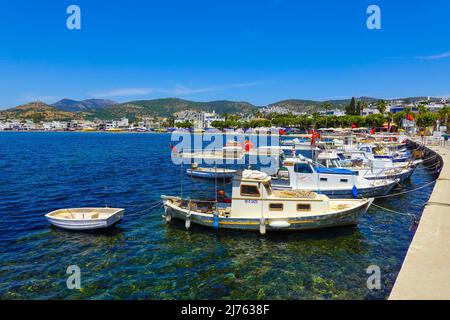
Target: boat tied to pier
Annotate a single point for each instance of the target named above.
(255, 206)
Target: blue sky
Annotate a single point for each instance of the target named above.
(259, 51)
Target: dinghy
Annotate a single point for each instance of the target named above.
(85, 218)
(210, 173)
(256, 207)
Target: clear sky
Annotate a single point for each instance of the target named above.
(259, 51)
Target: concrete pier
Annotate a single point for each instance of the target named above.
(425, 273)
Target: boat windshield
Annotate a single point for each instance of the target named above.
(268, 188)
(334, 163)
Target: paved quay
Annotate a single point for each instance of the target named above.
(425, 273)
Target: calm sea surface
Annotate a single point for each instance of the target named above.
(143, 258)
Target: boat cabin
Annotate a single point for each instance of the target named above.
(253, 197)
(302, 174)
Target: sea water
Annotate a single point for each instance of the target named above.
(143, 258)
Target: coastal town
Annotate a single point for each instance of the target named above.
(405, 114)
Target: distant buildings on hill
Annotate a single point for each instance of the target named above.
(197, 119)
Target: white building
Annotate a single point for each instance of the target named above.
(435, 106)
(280, 110)
(209, 118)
(334, 112)
(117, 124)
(199, 120)
(369, 111)
(55, 126)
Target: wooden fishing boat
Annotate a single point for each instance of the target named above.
(85, 218)
(256, 207)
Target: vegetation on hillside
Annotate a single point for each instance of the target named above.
(167, 107)
(38, 111)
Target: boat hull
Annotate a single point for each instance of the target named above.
(403, 176)
(209, 175)
(338, 219)
(347, 193)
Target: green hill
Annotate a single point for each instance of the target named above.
(310, 106)
(39, 111)
(167, 107)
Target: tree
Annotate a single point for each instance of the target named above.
(351, 109)
(360, 106)
(426, 119)
(37, 117)
(444, 114)
(422, 109)
(375, 120)
(326, 106)
(184, 125)
(381, 106)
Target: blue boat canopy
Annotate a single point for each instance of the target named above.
(334, 171)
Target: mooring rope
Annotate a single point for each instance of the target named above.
(155, 206)
(406, 192)
(414, 219)
(393, 211)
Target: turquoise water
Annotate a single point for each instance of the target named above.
(143, 258)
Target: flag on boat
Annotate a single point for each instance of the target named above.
(248, 145)
(314, 135)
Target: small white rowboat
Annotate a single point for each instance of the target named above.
(85, 218)
(211, 173)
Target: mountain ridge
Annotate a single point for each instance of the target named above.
(165, 107)
(82, 105)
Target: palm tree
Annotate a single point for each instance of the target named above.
(422, 109)
(381, 106)
(443, 114)
(326, 106)
(361, 106)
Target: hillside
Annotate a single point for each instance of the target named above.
(310, 106)
(167, 107)
(82, 106)
(39, 111)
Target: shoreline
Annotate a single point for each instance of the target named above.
(424, 273)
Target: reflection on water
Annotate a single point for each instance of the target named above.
(143, 258)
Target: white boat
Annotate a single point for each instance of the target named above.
(224, 153)
(302, 174)
(301, 145)
(210, 173)
(373, 152)
(374, 169)
(255, 206)
(270, 151)
(85, 218)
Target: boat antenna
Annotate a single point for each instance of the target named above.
(190, 184)
(215, 181)
(181, 180)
